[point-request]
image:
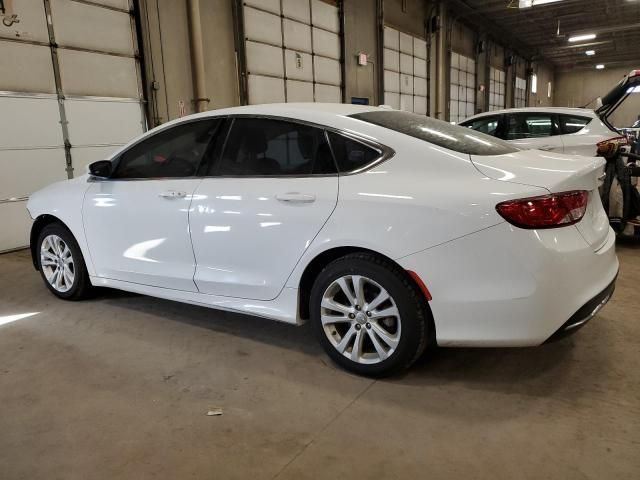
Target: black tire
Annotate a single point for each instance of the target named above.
(414, 312)
(81, 287)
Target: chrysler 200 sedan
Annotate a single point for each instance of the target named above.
(390, 232)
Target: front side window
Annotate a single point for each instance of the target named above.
(174, 152)
(269, 147)
(573, 124)
(488, 125)
(530, 125)
(437, 132)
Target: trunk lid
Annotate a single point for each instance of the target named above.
(556, 173)
(612, 100)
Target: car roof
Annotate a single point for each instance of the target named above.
(576, 111)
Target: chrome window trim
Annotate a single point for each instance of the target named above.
(385, 152)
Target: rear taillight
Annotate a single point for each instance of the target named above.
(547, 211)
(609, 148)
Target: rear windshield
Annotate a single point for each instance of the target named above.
(438, 132)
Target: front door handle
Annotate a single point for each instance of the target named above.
(546, 148)
(171, 194)
(295, 197)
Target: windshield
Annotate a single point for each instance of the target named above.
(443, 134)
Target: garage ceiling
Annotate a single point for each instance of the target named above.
(534, 30)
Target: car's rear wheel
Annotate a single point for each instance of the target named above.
(61, 263)
(368, 315)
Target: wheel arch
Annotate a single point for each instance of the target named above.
(320, 261)
(38, 225)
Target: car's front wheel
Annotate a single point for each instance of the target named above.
(61, 263)
(368, 315)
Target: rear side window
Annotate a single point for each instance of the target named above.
(488, 125)
(573, 124)
(437, 132)
(351, 156)
(530, 125)
(268, 147)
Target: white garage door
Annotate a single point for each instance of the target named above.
(405, 71)
(462, 101)
(497, 89)
(98, 107)
(292, 50)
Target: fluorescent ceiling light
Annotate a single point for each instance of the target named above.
(534, 83)
(590, 52)
(579, 38)
(534, 3)
(599, 66)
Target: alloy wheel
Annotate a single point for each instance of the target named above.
(360, 319)
(56, 261)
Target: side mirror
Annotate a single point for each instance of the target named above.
(100, 169)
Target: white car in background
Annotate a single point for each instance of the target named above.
(388, 231)
(574, 131)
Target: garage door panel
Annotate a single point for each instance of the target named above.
(297, 10)
(262, 27)
(26, 171)
(16, 215)
(406, 84)
(420, 86)
(391, 60)
(419, 67)
(32, 26)
(263, 59)
(102, 121)
(406, 102)
(391, 81)
(419, 48)
(299, 91)
(391, 38)
(406, 63)
(83, 156)
(298, 65)
(420, 105)
(27, 122)
(392, 99)
(297, 35)
(269, 5)
(328, 93)
(33, 73)
(326, 43)
(88, 26)
(265, 89)
(406, 43)
(85, 73)
(325, 16)
(326, 70)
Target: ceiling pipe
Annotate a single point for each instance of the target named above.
(197, 56)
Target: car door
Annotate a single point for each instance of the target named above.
(267, 196)
(136, 221)
(533, 130)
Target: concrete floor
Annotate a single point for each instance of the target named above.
(119, 387)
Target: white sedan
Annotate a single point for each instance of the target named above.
(388, 231)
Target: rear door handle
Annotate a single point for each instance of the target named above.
(295, 197)
(171, 194)
(546, 148)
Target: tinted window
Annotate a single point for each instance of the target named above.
(437, 132)
(488, 125)
(350, 154)
(260, 146)
(530, 125)
(573, 124)
(174, 152)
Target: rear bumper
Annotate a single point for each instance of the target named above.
(584, 314)
(505, 286)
